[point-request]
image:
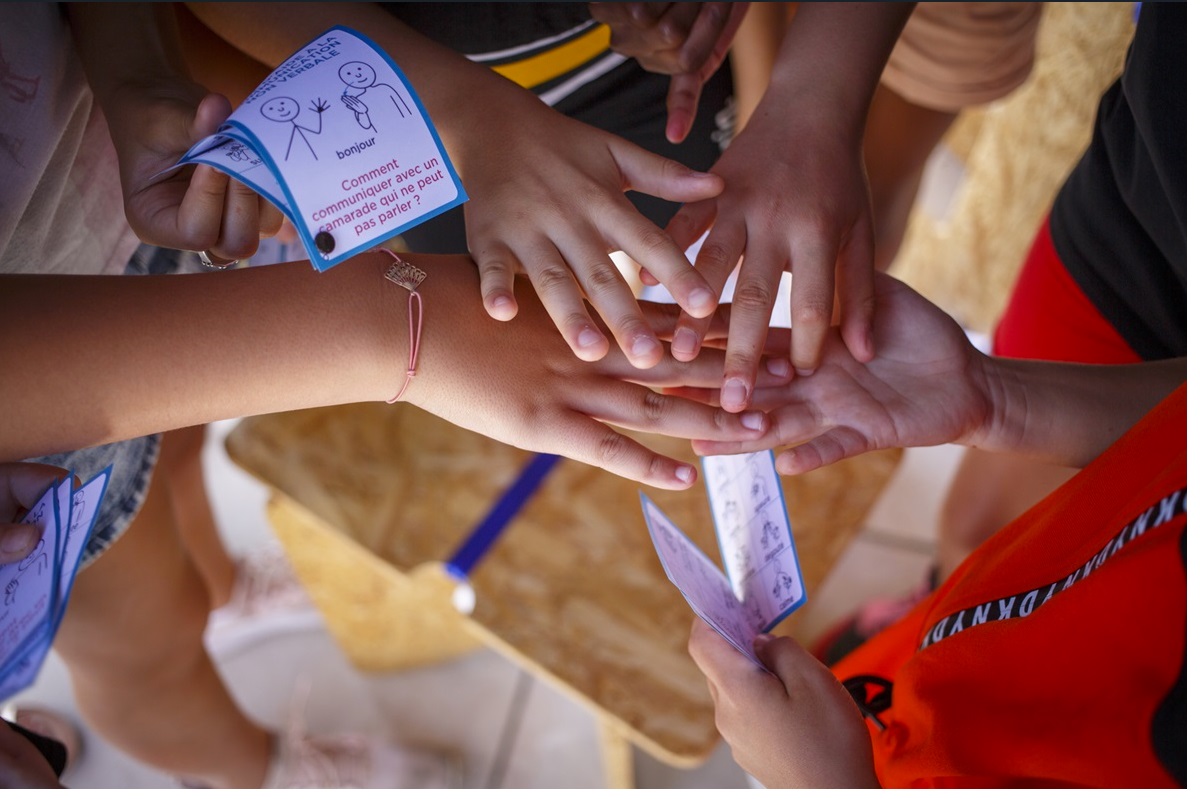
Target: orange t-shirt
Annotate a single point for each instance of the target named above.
(1055, 654)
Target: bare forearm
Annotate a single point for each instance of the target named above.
(1069, 413)
(99, 359)
(831, 59)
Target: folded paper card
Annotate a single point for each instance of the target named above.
(761, 583)
(37, 587)
(337, 139)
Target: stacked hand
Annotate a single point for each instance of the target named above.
(517, 382)
(822, 235)
(558, 215)
(926, 385)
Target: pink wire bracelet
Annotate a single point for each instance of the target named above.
(409, 277)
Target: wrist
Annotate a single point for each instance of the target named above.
(448, 298)
(995, 382)
(832, 58)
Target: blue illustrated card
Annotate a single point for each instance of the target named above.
(761, 584)
(338, 140)
(36, 588)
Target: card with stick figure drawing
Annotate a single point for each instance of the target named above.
(337, 139)
(762, 583)
(37, 587)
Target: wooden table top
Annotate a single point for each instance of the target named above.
(573, 587)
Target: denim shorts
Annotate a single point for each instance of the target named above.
(132, 461)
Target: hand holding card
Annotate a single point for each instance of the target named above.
(35, 589)
(764, 584)
(336, 138)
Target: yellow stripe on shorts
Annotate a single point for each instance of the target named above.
(551, 64)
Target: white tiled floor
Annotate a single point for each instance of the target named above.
(513, 730)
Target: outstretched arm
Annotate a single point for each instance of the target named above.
(547, 192)
(138, 356)
(928, 385)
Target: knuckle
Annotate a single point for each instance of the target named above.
(720, 419)
(610, 448)
(821, 222)
(628, 326)
(715, 253)
(493, 270)
(689, 60)
(811, 312)
(754, 293)
(655, 406)
(601, 277)
(553, 279)
(741, 362)
(654, 239)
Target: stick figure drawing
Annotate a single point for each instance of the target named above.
(285, 109)
(365, 97)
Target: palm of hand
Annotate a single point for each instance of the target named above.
(922, 388)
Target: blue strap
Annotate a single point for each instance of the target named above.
(509, 505)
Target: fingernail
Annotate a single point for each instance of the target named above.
(733, 394)
(685, 474)
(686, 342)
(752, 420)
(805, 372)
(699, 300)
(778, 366)
(588, 338)
(763, 638)
(502, 303)
(19, 538)
(643, 346)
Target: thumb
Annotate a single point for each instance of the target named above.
(17, 541)
(785, 658)
(210, 113)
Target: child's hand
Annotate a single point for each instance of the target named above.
(200, 209)
(21, 485)
(926, 385)
(792, 727)
(548, 198)
(519, 383)
(687, 41)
